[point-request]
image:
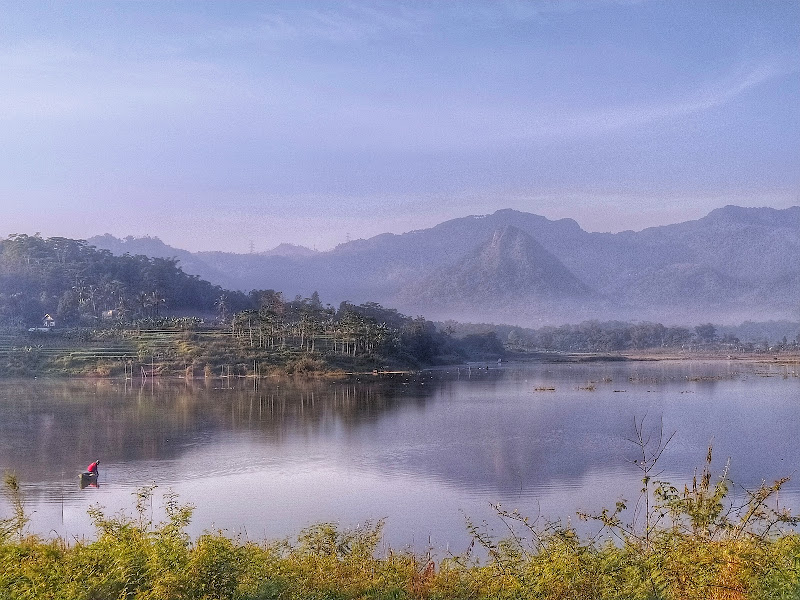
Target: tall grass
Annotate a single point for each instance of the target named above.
(693, 544)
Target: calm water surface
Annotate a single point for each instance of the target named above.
(423, 452)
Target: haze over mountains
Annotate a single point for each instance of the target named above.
(734, 264)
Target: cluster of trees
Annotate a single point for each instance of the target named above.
(593, 336)
(615, 336)
(76, 282)
(367, 329)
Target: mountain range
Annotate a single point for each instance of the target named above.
(732, 265)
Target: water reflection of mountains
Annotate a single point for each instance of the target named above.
(455, 427)
(76, 421)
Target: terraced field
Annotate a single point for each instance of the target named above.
(102, 353)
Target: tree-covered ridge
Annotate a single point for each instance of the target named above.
(139, 312)
(619, 336)
(74, 282)
(365, 331)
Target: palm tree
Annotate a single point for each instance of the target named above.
(81, 292)
(157, 301)
(222, 306)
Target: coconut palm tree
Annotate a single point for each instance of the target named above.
(222, 306)
(156, 301)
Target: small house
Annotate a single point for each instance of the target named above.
(48, 322)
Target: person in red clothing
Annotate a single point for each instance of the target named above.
(90, 475)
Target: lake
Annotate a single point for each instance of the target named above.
(264, 459)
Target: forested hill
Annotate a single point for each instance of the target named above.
(116, 297)
(74, 281)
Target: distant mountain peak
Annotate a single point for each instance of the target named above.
(511, 262)
(155, 248)
(289, 250)
(510, 267)
(148, 245)
(755, 215)
(513, 215)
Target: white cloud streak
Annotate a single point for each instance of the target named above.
(459, 123)
(353, 22)
(693, 102)
(52, 81)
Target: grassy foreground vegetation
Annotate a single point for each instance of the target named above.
(688, 544)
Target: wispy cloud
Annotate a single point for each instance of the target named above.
(348, 22)
(49, 80)
(692, 102)
(345, 22)
(488, 13)
(462, 123)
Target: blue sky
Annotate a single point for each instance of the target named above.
(214, 124)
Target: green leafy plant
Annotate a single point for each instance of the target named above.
(15, 525)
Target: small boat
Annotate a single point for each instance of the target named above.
(88, 479)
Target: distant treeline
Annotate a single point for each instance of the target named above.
(616, 336)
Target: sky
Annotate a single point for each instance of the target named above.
(238, 125)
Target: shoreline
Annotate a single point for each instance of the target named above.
(787, 359)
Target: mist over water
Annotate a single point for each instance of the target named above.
(267, 458)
